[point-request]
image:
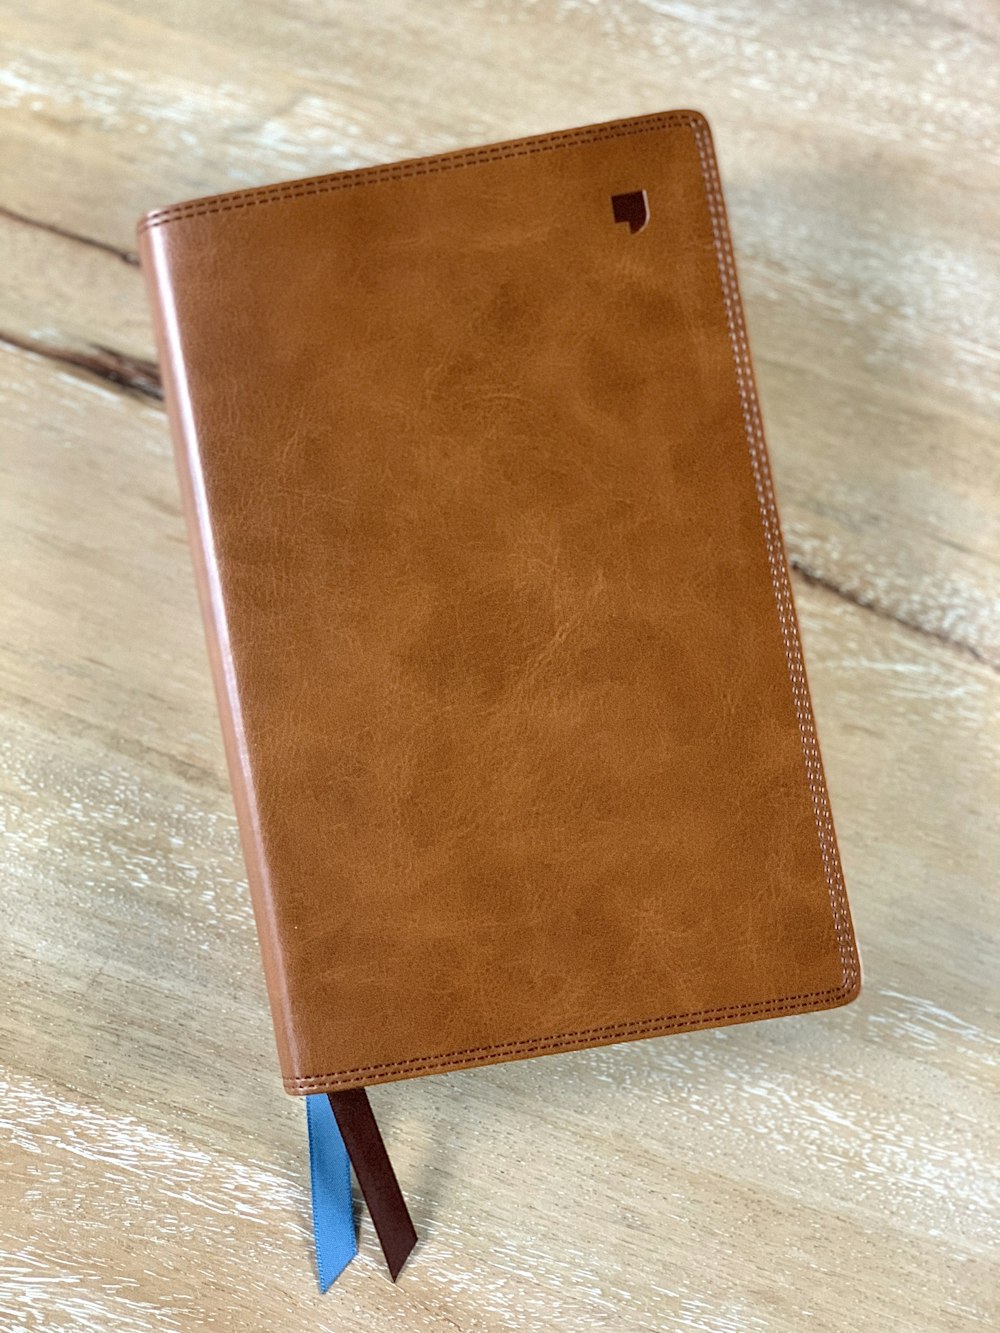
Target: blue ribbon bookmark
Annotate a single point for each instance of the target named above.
(330, 1178)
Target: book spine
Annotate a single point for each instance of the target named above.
(155, 246)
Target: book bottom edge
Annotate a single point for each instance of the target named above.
(502, 1053)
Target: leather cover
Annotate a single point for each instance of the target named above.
(499, 615)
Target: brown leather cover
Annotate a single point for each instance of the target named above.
(501, 626)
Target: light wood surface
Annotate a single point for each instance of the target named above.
(829, 1172)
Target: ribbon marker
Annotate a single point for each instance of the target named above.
(363, 1140)
(330, 1179)
(342, 1131)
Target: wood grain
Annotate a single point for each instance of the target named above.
(833, 1171)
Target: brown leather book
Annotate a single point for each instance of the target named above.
(498, 610)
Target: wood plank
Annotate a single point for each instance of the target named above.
(867, 234)
(831, 1171)
(76, 301)
(152, 104)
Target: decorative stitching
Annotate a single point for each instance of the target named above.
(753, 428)
(531, 1045)
(420, 166)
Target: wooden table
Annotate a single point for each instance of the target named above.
(827, 1172)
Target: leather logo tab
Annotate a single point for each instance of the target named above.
(632, 208)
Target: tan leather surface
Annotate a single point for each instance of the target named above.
(500, 621)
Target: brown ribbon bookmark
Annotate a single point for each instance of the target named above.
(363, 1141)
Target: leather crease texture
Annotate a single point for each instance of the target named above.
(497, 605)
